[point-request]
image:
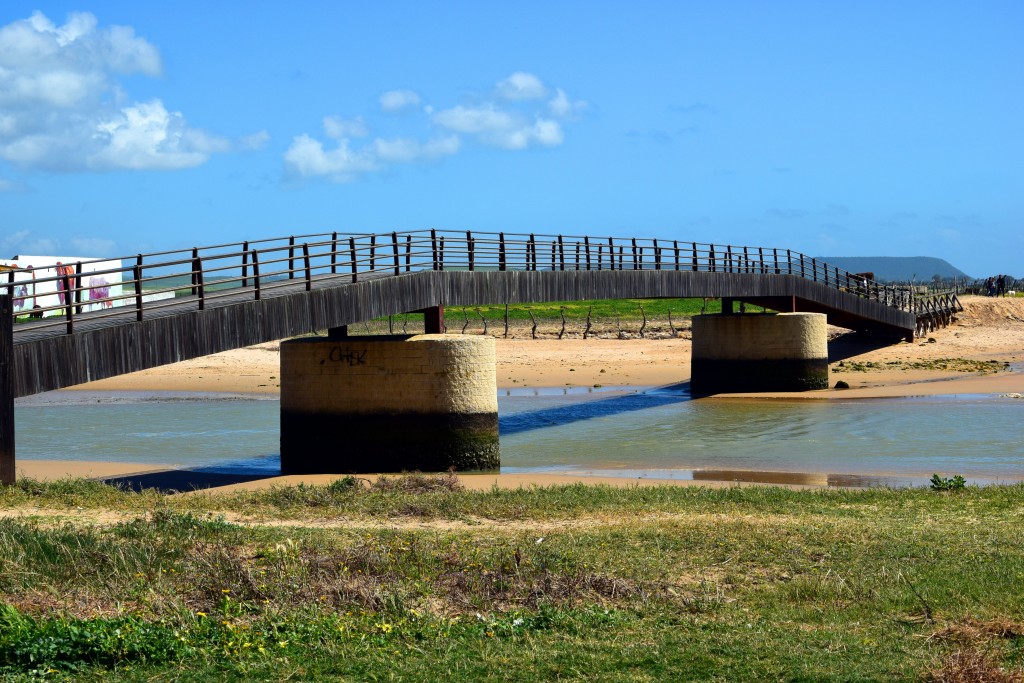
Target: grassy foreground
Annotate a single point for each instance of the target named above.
(415, 580)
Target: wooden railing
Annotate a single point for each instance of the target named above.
(207, 274)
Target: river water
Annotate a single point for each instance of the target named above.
(619, 431)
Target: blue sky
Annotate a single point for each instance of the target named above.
(853, 129)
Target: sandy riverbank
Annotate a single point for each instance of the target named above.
(988, 330)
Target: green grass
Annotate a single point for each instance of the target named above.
(420, 580)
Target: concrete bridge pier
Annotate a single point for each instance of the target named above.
(759, 352)
(387, 404)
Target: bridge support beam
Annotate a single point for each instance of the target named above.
(388, 404)
(753, 353)
(6, 390)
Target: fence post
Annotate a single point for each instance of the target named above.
(291, 257)
(352, 258)
(305, 262)
(433, 246)
(334, 253)
(256, 274)
(7, 474)
(394, 245)
(245, 264)
(78, 289)
(197, 268)
(137, 276)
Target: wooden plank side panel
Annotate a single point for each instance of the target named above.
(44, 364)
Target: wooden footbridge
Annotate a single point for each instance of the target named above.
(229, 296)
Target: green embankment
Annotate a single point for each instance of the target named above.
(420, 581)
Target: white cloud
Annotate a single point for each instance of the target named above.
(93, 246)
(63, 108)
(11, 186)
(405, 151)
(499, 128)
(255, 141)
(561, 106)
(24, 242)
(517, 115)
(307, 158)
(338, 128)
(397, 100)
(521, 86)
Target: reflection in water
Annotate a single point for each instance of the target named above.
(616, 431)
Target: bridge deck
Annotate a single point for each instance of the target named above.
(221, 301)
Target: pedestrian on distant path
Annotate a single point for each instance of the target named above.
(990, 287)
(1001, 285)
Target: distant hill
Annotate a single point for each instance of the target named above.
(897, 268)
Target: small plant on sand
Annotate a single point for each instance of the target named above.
(954, 483)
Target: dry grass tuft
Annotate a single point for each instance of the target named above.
(974, 632)
(415, 482)
(972, 665)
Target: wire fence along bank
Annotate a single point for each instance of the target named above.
(60, 294)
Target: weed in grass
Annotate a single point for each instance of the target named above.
(954, 483)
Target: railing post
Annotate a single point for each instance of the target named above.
(334, 253)
(471, 251)
(245, 264)
(586, 247)
(137, 276)
(561, 255)
(814, 269)
(195, 278)
(775, 259)
(760, 256)
(7, 473)
(408, 253)
(554, 253)
(440, 253)
(837, 277)
(577, 255)
(433, 247)
(711, 257)
(657, 256)
(352, 258)
(728, 258)
(394, 245)
(291, 257)
(197, 268)
(256, 274)
(622, 258)
(305, 262)
(696, 265)
(373, 253)
(600, 248)
(69, 308)
(746, 261)
(675, 245)
(78, 289)
(502, 264)
(531, 253)
(634, 254)
(803, 271)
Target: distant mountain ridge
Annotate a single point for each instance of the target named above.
(897, 268)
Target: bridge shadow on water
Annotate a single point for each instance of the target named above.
(579, 411)
(268, 467)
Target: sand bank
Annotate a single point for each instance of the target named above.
(988, 330)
